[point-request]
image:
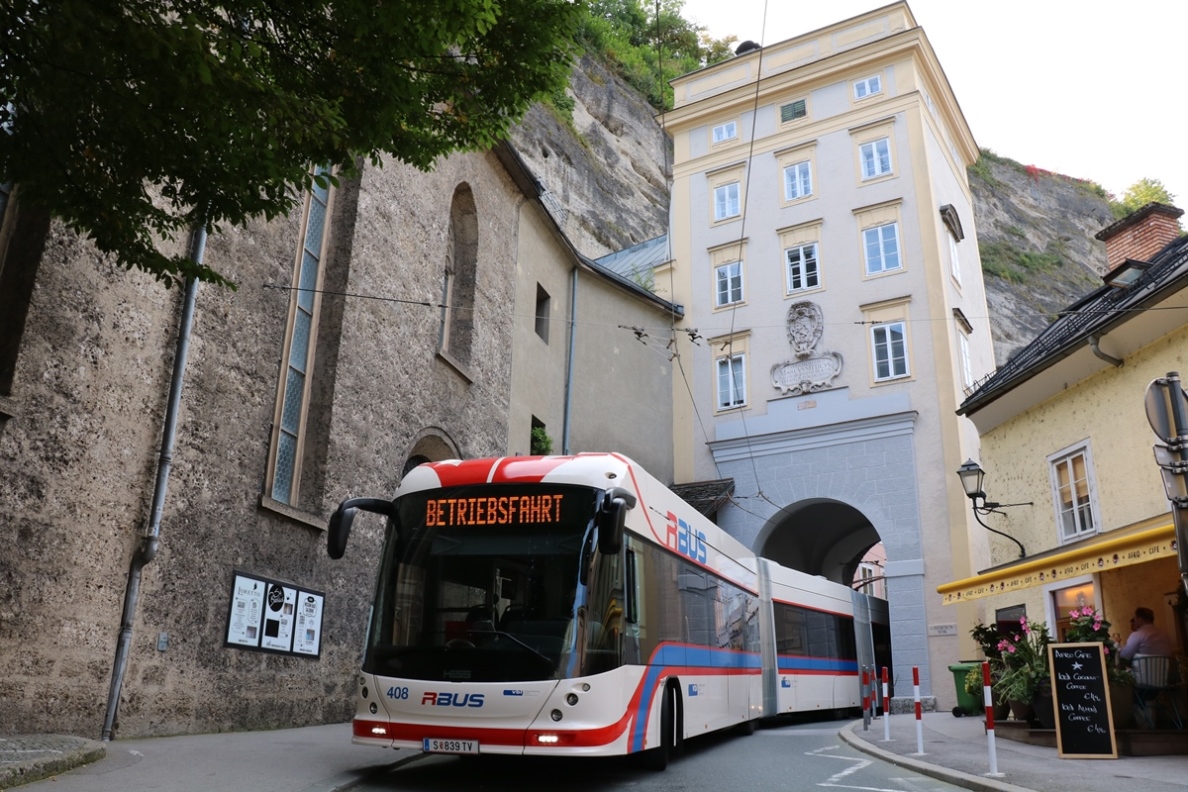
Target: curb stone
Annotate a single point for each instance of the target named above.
(955, 777)
(24, 760)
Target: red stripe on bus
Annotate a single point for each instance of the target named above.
(409, 732)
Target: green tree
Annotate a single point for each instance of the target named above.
(650, 43)
(138, 119)
(1139, 194)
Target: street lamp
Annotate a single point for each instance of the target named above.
(971, 475)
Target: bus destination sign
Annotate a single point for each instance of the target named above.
(494, 510)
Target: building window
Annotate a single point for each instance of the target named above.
(889, 345)
(967, 378)
(458, 284)
(297, 360)
(732, 382)
(876, 158)
(954, 259)
(726, 204)
(724, 132)
(793, 111)
(866, 577)
(1073, 490)
(881, 245)
(798, 181)
(802, 267)
(542, 313)
(728, 284)
(868, 87)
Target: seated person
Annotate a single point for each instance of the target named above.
(1145, 638)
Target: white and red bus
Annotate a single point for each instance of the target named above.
(574, 605)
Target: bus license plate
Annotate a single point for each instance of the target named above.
(437, 745)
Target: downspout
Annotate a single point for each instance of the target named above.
(150, 542)
(569, 362)
(1093, 344)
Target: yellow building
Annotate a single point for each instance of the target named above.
(1064, 432)
(822, 245)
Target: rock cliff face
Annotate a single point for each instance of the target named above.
(605, 178)
(1035, 233)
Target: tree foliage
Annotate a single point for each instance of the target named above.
(1139, 194)
(138, 119)
(650, 43)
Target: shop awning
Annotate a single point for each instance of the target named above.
(1107, 551)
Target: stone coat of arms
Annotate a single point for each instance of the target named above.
(806, 373)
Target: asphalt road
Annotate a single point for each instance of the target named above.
(800, 756)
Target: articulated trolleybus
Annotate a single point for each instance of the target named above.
(576, 606)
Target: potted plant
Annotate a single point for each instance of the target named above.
(1087, 625)
(1025, 668)
(988, 637)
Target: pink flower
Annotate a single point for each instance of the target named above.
(1011, 649)
(1074, 613)
(1096, 626)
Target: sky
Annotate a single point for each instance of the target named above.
(1086, 88)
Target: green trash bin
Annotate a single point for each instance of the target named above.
(966, 704)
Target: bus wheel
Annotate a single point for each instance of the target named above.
(657, 758)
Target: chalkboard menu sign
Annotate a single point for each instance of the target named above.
(1081, 696)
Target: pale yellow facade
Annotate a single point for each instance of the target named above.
(851, 133)
(1128, 560)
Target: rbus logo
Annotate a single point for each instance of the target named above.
(452, 699)
(682, 539)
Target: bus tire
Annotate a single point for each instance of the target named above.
(656, 759)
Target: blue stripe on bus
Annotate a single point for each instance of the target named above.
(668, 656)
(817, 664)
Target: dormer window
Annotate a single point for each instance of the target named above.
(1125, 274)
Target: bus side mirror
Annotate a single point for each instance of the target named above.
(612, 515)
(344, 515)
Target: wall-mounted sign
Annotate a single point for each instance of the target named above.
(273, 616)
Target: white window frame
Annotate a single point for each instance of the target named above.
(879, 236)
(805, 268)
(722, 274)
(883, 350)
(798, 180)
(966, 362)
(954, 258)
(875, 156)
(1082, 513)
(868, 87)
(730, 382)
(727, 203)
(725, 132)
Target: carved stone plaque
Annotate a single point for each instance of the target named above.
(807, 373)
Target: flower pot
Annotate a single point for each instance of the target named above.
(1121, 704)
(1045, 712)
(1021, 710)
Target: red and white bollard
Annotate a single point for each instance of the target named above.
(919, 711)
(886, 709)
(987, 698)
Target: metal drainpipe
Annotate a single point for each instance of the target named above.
(569, 362)
(1093, 344)
(150, 542)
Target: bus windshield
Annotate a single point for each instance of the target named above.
(490, 583)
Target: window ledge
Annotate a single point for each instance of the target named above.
(456, 365)
(8, 408)
(294, 514)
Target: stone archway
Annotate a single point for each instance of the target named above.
(819, 536)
